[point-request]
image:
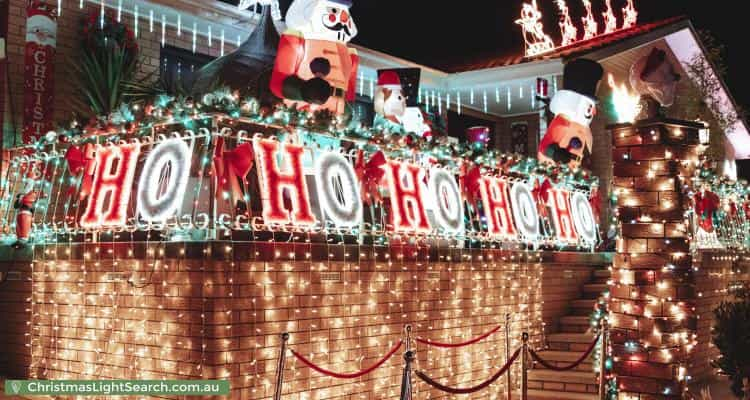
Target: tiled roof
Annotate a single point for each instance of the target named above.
(570, 51)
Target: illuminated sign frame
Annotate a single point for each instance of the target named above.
(167, 184)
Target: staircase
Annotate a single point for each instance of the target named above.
(566, 346)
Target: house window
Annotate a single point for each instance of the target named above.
(178, 67)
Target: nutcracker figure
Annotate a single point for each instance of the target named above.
(315, 68)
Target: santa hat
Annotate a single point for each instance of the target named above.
(389, 80)
(577, 100)
(37, 7)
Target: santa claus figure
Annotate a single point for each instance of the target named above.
(25, 217)
(655, 78)
(315, 69)
(569, 139)
(390, 101)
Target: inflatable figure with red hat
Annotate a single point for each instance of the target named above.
(569, 139)
(315, 69)
(390, 101)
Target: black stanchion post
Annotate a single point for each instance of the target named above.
(408, 359)
(509, 387)
(603, 361)
(524, 366)
(280, 367)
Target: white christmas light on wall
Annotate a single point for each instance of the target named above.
(223, 42)
(136, 20)
(163, 30)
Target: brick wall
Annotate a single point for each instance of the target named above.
(68, 37)
(220, 315)
(716, 272)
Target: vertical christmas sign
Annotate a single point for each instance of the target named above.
(3, 66)
(41, 40)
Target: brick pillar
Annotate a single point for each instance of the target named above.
(652, 297)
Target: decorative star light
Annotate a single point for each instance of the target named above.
(630, 15)
(610, 21)
(590, 26)
(537, 42)
(568, 30)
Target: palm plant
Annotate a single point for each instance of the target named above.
(106, 61)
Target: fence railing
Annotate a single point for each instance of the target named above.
(524, 353)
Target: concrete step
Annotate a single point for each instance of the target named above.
(582, 307)
(570, 337)
(575, 320)
(555, 395)
(575, 324)
(570, 341)
(565, 358)
(564, 381)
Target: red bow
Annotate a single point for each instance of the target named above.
(541, 195)
(81, 161)
(229, 165)
(370, 174)
(469, 181)
(595, 199)
(706, 205)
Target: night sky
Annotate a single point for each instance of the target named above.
(437, 33)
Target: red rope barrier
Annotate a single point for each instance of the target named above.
(351, 375)
(473, 389)
(456, 345)
(576, 363)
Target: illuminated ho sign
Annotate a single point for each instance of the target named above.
(314, 190)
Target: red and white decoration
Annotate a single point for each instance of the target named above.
(39, 70)
(159, 185)
(315, 69)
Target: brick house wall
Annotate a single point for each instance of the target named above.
(216, 311)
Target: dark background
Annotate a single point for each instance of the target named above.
(440, 33)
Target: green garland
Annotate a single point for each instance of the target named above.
(138, 119)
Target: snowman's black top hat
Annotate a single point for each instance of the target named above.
(582, 76)
(347, 3)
